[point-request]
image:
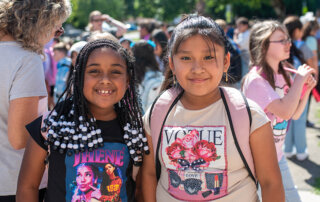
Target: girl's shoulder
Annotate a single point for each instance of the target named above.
(254, 76)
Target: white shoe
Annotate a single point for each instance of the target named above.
(302, 156)
(289, 154)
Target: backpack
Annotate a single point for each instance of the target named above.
(236, 106)
(150, 88)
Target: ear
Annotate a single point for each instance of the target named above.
(171, 65)
(226, 62)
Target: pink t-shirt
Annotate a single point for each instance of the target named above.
(259, 90)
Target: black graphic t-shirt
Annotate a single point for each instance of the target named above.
(101, 175)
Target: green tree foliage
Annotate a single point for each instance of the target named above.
(167, 10)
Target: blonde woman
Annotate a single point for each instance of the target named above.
(25, 27)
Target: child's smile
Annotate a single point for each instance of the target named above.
(105, 80)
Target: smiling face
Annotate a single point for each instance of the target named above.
(198, 66)
(85, 178)
(278, 51)
(105, 81)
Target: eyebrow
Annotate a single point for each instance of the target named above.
(188, 52)
(113, 65)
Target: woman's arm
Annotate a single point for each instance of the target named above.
(266, 164)
(286, 107)
(21, 112)
(121, 27)
(148, 175)
(31, 171)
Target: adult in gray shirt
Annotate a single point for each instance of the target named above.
(25, 26)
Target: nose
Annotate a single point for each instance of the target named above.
(197, 67)
(105, 79)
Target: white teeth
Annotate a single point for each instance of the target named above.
(104, 91)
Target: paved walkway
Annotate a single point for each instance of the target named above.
(306, 172)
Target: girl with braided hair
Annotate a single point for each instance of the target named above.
(98, 122)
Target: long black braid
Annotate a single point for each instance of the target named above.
(71, 127)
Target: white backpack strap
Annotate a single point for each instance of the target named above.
(238, 109)
(158, 114)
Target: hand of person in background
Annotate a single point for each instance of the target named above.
(304, 72)
(107, 18)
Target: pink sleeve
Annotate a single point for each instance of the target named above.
(260, 91)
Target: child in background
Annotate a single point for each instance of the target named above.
(159, 37)
(300, 53)
(198, 125)
(148, 74)
(73, 54)
(99, 123)
(270, 86)
(60, 53)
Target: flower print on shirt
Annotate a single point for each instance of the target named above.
(191, 152)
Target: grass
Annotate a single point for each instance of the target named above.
(317, 186)
(317, 180)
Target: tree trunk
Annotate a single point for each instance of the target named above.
(200, 7)
(279, 8)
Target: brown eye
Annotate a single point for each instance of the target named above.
(209, 57)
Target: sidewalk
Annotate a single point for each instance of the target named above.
(306, 172)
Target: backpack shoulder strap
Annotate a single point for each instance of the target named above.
(237, 108)
(157, 117)
(158, 112)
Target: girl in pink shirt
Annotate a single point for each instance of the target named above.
(270, 86)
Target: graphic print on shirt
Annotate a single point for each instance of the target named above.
(279, 125)
(196, 161)
(99, 175)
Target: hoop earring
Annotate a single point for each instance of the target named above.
(226, 76)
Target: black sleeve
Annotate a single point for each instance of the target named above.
(34, 131)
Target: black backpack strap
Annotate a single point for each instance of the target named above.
(248, 108)
(158, 164)
(234, 134)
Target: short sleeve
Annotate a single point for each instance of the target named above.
(146, 123)
(34, 131)
(259, 117)
(260, 91)
(312, 43)
(28, 80)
